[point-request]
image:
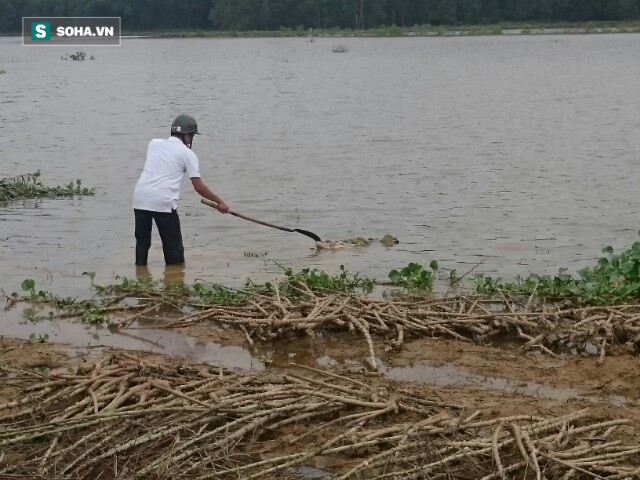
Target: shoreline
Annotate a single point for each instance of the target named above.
(523, 28)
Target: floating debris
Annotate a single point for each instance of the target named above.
(388, 241)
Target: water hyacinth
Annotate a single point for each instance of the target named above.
(29, 186)
(614, 279)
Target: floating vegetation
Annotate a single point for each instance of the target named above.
(78, 56)
(614, 279)
(290, 308)
(126, 416)
(296, 284)
(151, 296)
(254, 254)
(2, 72)
(340, 49)
(594, 314)
(339, 244)
(415, 277)
(29, 186)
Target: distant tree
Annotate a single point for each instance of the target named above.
(237, 14)
(519, 10)
(338, 13)
(490, 12)
(96, 8)
(623, 9)
(468, 11)
(373, 13)
(10, 18)
(397, 12)
(548, 9)
(443, 12)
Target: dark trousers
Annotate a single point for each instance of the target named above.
(169, 229)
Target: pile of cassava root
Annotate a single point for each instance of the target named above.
(129, 417)
(548, 328)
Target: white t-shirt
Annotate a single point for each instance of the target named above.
(158, 187)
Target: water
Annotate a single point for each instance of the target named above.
(97, 338)
(448, 374)
(520, 152)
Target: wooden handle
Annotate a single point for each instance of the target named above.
(211, 203)
(206, 201)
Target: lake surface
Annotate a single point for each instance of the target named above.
(515, 154)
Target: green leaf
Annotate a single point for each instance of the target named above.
(564, 277)
(627, 267)
(28, 285)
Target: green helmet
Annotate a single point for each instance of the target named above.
(184, 124)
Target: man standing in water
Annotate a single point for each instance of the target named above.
(158, 189)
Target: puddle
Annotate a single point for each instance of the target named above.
(449, 375)
(142, 339)
(280, 354)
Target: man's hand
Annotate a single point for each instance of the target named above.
(223, 207)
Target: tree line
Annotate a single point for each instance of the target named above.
(242, 15)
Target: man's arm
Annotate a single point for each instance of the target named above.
(207, 193)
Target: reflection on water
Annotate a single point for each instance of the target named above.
(153, 340)
(174, 274)
(171, 274)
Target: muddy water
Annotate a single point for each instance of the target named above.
(522, 152)
(137, 337)
(87, 340)
(517, 153)
(448, 374)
